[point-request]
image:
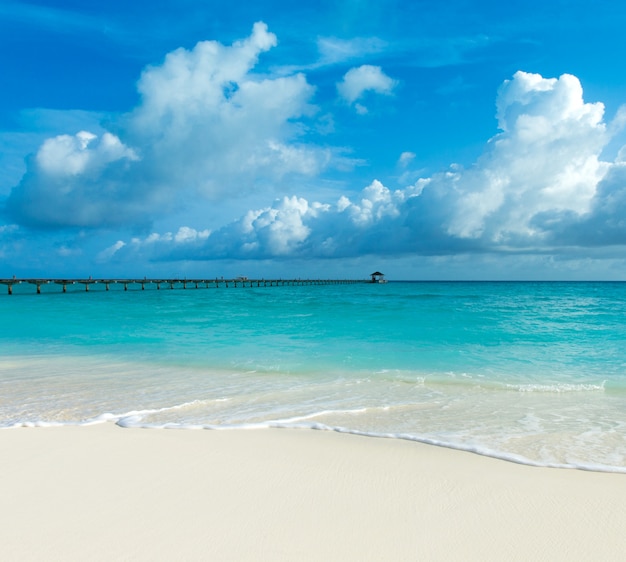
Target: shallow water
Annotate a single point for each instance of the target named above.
(531, 372)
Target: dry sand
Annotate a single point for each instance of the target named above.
(106, 493)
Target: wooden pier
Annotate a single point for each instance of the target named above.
(172, 283)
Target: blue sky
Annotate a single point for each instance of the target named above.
(428, 140)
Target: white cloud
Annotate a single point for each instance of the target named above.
(546, 159)
(376, 203)
(365, 78)
(406, 158)
(184, 235)
(206, 126)
(67, 155)
(539, 184)
(35, 126)
(333, 50)
(79, 180)
(187, 234)
(280, 229)
(109, 252)
(205, 118)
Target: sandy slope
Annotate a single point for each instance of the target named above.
(106, 493)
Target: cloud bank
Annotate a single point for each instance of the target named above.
(210, 125)
(540, 184)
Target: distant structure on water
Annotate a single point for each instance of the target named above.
(378, 277)
(241, 281)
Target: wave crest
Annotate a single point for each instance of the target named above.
(557, 387)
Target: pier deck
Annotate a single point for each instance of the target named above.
(173, 283)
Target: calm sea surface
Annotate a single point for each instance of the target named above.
(530, 372)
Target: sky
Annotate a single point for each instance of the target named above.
(459, 140)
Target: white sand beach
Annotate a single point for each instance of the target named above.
(107, 493)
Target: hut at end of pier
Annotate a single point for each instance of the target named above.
(378, 277)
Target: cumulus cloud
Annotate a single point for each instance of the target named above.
(207, 126)
(365, 78)
(67, 155)
(539, 184)
(547, 158)
(77, 180)
(205, 114)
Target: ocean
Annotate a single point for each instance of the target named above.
(527, 372)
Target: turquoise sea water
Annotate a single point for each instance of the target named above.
(530, 372)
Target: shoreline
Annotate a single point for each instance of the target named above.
(121, 422)
(103, 492)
